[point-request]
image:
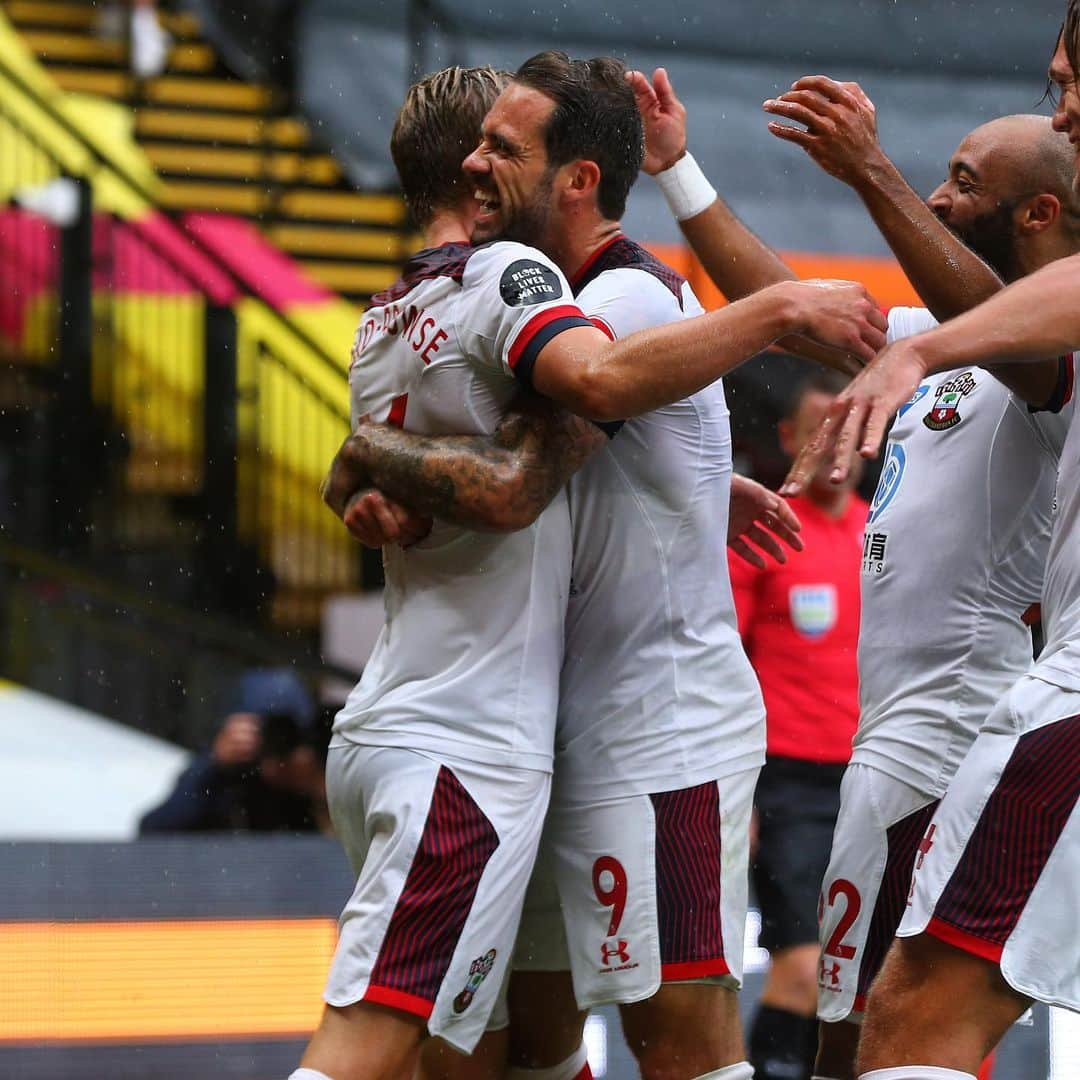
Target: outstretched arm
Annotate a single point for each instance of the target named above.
(1030, 320)
(736, 259)
(733, 256)
(840, 135)
(498, 482)
(592, 376)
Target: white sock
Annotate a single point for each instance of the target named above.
(308, 1074)
(741, 1070)
(916, 1072)
(565, 1070)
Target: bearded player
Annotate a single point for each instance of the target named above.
(925, 687)
(988, 925)
(440, 764)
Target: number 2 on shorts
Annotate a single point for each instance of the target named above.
(611, 895)
(852, 905)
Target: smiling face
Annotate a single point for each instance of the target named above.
(994, 175)
(512, 178)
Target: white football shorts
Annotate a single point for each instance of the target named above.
(1001, 873)
(633, 892)
(443, 851)
(875, 845)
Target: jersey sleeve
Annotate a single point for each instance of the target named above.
(513, 301)
(621, 302)
(905, 322)
(744, 585)
(1053, 418)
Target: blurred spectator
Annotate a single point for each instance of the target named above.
(264, 770)
(800, 624)
(149, 41)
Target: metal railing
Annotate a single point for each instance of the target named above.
(187, 424)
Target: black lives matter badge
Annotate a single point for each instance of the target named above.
(526, 282)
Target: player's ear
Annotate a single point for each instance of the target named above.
(584, 179)
(1039, 213)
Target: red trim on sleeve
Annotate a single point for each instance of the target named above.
(693, 969)
(859, 1004)
(536, 324)
(601, 325)
(1070, 377)
(586, 266)
(1032, 614)
(399, 999)
(961, 939)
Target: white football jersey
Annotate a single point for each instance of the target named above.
(468, 659)
(1059, 662)
(953, 560)
(657, 692)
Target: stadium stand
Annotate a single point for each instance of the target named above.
(222, 144)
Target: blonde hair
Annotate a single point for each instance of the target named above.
(436, 128)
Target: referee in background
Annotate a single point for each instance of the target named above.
(800, 625)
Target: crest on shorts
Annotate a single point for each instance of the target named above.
(813, 609)
(479, 970)
(947, 398)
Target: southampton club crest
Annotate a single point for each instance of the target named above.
(479, 970)
(946, 411)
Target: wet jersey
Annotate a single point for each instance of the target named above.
(468, 659)
(953, 559)
(1059, 662)
(657, 692)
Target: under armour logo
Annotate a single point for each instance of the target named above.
(832, 974)
(618, 948)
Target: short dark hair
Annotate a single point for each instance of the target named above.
(436, 128)
(821, 380)
(1070, 33)
(595, 118)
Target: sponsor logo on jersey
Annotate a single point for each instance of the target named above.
(873, 552)
(615, 956)
(892, 473)
(479, 970)
(813, 609)
(946, 411)
(915, 398)
(526, 282)
(829, 976)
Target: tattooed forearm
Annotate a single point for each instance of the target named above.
(347, 475)
(499, 482)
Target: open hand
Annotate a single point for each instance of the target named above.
(840, 121)
(759, 515)
(859, 416)
(663, 116)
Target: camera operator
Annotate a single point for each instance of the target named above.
(263, 772)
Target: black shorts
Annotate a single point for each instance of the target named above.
(797, 803)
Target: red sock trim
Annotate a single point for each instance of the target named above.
(961, 939)
(398, 999)
(987, 1069)
(585, 1074)
(693, 969)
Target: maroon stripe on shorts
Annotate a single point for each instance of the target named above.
(457, 842)
(1015, 834)
(902, 838)
(688, 881)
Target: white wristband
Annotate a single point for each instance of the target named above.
(686, 188)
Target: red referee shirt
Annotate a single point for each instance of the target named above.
(800, 627)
